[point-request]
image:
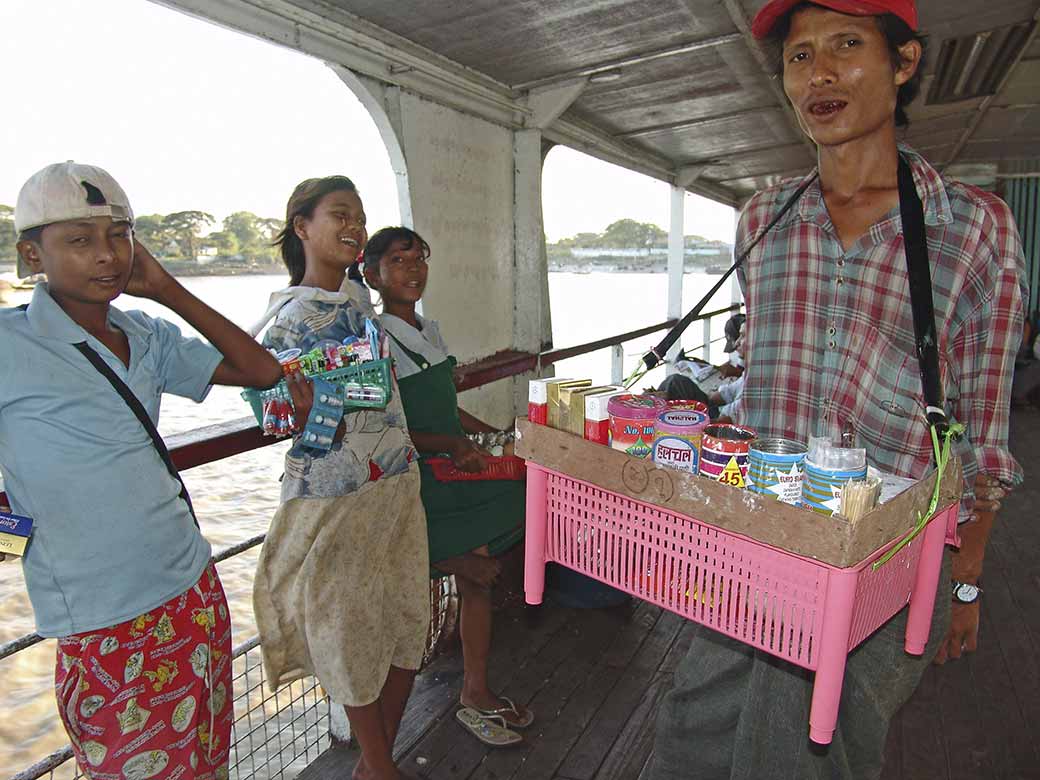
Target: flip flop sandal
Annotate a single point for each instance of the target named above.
(521, 722)
(490, 730)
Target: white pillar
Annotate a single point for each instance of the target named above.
(735, 295)
(676, 248)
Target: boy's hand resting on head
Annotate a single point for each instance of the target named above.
(467, 456)
(149, 279)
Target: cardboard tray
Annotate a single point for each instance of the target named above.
(830, 539)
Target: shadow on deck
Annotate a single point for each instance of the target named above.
(595, 677)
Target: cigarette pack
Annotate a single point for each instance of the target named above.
(574, 420)
(15, 531)
(597, 420)
(538, 399)
(572, 405)
(553, 415)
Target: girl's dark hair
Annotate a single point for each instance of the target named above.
(380, 243)
(302, 202)
(897, 34)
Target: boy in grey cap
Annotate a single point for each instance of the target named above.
(116, 568)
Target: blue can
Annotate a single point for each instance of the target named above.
(821, 487)
(775, 469)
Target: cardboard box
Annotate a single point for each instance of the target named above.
(833, 540)
(15, 531)
(572, 407)
(538, 398)
(597, 417)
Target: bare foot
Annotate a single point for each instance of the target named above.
(476, 568)
(486, 700)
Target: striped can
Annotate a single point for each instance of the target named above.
(775, 469)
(724, 453)
(821, 487)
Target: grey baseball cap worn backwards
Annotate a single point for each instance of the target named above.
(67, 191)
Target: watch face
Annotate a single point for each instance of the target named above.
(966, 593)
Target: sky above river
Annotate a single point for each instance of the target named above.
(188, 115)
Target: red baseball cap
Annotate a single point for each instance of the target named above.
(773, 11)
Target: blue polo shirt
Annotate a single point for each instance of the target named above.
(113, 539)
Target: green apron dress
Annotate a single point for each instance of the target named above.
(460, 516)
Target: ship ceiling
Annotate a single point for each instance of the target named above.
(673, 85)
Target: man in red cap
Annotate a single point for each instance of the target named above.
(831, 336)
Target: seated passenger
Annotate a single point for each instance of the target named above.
(469, 522)
(686, 383)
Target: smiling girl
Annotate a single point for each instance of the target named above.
(469, 522)
(340, 588)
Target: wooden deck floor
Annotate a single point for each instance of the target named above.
(594, 677)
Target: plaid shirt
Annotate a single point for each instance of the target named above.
(830, 334)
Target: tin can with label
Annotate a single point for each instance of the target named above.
(677, 439)
(724, 453)
(821, 489)
(689, 406)
(775, 469)
(632, 422)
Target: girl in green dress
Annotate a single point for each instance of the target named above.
(469, 522)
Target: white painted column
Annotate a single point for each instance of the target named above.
(532, 324)
(676, 249)
(735, 295)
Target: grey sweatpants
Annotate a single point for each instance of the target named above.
(736, 713)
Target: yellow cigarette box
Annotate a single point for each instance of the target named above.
(554, 398)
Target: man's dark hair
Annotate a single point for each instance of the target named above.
(897, 34)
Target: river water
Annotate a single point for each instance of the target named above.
(235, 498)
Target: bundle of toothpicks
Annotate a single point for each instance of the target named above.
(860, 496)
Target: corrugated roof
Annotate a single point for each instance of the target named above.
(690, 90)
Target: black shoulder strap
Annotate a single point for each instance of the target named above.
(915, 245)
(657, 354)
(135, 406)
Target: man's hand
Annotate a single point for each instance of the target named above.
(149, 279)
(467, 456)
(989, 492)
(963, 635)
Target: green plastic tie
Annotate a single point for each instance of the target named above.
(942, 458)
(637, 373)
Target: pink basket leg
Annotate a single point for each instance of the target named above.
(834, 649)
(534, 540)
(922, 598)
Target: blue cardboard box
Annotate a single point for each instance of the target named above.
(15, 531)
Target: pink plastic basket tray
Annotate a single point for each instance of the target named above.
(803, 611)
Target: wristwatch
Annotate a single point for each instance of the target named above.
(965, 592)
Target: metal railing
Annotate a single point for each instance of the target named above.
(277, 734)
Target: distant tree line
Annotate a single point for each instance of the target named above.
(243, 236)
